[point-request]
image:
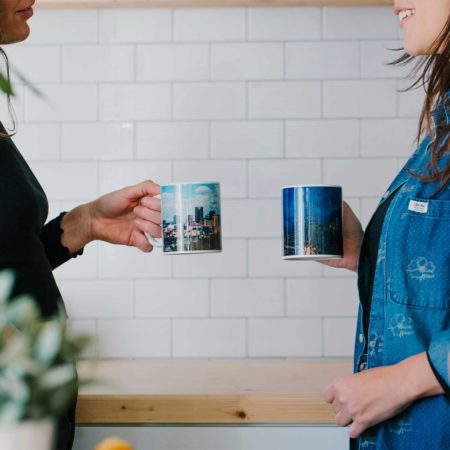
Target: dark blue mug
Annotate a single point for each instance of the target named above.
(313, 222)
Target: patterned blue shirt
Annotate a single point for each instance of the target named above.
(410, 308)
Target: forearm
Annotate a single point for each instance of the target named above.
(76, 225)
(419, 378)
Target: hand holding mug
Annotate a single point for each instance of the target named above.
(124, 216)
(353, 235)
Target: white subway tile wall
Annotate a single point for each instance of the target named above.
(254, 98)
(173, 62)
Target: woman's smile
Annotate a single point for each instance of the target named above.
(405, 13)
(405, 16)
(27, 11)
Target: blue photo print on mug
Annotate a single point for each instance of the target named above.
(191, 218)
(312, 222)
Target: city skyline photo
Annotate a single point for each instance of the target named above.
(191, 217)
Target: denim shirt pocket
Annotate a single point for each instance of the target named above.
(418, 253)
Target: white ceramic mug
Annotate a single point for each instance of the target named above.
(191, 219)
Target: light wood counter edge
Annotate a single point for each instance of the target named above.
(214, 392)
(229, 409)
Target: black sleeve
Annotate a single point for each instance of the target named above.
(442, 382)
(51, 235)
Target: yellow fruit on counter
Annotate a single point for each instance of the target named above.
(114, 443)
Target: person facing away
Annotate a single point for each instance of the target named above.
(399, 395)
(32, 247)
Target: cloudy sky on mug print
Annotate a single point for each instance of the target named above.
(182, 199)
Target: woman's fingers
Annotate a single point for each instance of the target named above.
(142, 189)
(342, 420)
(148, 214)
(141, 242)
(356, 429)
(151, 202)
(328, 395)
(336, 406)
(148, 227)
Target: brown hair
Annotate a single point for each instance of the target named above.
(11, 111)
(434, 76)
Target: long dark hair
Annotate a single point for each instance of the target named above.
(11, 111)
(432, 72)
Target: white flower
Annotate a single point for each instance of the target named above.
(376, 344)
(401, 326)
(381, 253)
(421, 269)
(401, 426)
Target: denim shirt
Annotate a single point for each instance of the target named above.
(410, 309)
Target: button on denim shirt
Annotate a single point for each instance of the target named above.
(410, 309)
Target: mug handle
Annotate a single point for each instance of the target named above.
(155, 242)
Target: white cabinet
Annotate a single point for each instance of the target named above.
(218, 438)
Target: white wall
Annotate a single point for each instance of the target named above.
(256, 99)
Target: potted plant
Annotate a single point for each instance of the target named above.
(38, 378)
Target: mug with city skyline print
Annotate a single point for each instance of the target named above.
(191, 219)
(312, 222)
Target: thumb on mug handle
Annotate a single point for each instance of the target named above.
(155, 242)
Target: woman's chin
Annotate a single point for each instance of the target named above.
(417, 47)
(414, 49)
(18, 36)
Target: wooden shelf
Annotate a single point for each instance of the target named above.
(210, 392)
(201, 3)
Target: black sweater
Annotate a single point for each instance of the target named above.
(27, 246)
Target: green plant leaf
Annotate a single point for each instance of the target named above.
(5, 85)
(74, 346)
(48, 343)
(37, 359)
(6, 285)
(27, 83)
(58, 376)
(61, 397)
(16, 351)
(23, 312)
(11, 412)
(14, 386)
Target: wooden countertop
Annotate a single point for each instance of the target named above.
(201, 3)
(210, 392)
